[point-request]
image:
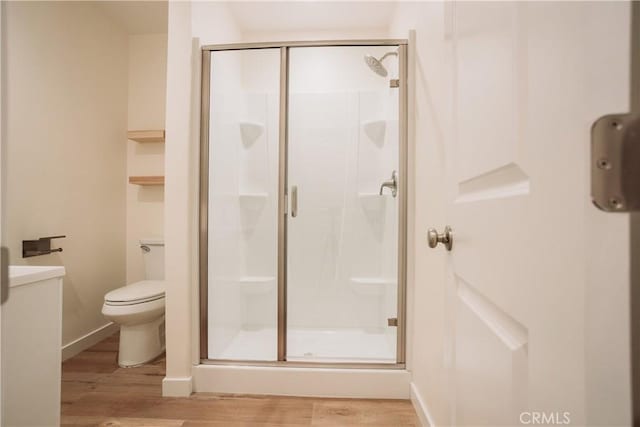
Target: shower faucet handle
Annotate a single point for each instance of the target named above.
(391, 183)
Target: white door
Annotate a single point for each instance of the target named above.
(537, 293)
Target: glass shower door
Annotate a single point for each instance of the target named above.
(342, 234)
(242, 222)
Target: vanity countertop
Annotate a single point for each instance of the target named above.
(24, 274)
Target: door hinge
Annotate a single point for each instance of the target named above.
(394, 83)
(615, 156)
(392, 321)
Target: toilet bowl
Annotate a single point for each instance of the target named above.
(139, 310)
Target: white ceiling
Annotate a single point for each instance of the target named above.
(138, 17)
(256, 16)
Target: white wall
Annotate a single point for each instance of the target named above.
(430, 66)
(212, 23)
(147, 100)
(313, 34)
(65, 99)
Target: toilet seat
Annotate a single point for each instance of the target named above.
(136, 293)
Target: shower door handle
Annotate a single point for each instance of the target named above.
(294, 201)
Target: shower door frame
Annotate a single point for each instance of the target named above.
(283, 200)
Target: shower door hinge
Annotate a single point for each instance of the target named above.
(394, 83)
(615, 156)
(392, 321)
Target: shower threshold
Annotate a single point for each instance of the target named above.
(386, 381)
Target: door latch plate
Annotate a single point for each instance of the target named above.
(615, 163)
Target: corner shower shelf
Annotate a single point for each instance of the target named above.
(371, 285)
(146, 135)
(146, 180)
(375, 130)
(250, 132)
(252, 201)
(257, 285)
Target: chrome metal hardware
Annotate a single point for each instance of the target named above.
(294, 201)
(145, 248)
(445, 238)
(394, 83)
(391, 183)
(615, 156)
(392, 321)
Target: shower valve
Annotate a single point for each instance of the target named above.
(391, 183)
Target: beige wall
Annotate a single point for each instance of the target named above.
(147, 89)
(66, 98)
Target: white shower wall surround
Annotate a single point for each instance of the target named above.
(342, 245)
(243, 205)
(342, 221)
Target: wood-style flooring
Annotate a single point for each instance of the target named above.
(97, 392)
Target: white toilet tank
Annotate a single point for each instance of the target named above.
(153, 253)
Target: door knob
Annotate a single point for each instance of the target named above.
(445, 238)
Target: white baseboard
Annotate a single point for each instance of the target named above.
(177, 387)
(421, 408)
(88, 340)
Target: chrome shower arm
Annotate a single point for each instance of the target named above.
(387, 54)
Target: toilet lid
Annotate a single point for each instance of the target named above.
(146, 290)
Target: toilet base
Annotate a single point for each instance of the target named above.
(141, 343)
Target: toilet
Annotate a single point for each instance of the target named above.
(139, 310)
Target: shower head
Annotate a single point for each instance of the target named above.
(376, 64)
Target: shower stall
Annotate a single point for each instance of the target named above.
(303, 200)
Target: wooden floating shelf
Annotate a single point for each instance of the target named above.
(146, 180)
(146, 135)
